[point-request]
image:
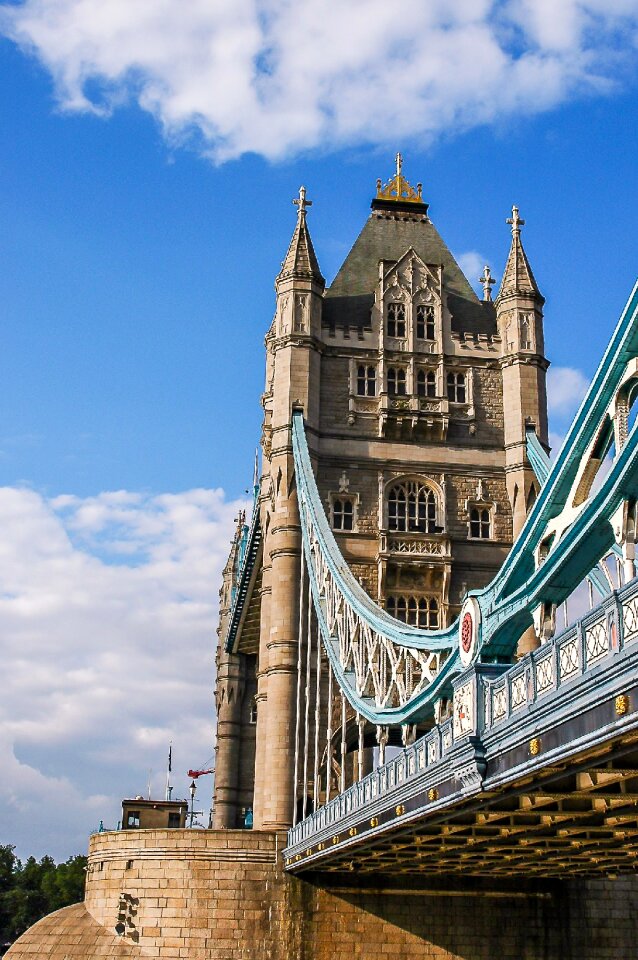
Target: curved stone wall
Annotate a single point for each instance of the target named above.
(223, 895)
(68, 933)
(170, 893)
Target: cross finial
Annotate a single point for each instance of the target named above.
(399, 160)
(515, 221)
(488, 281)
(301, 201)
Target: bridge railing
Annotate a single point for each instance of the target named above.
(605, 629)
(423, 754)
(485, 697)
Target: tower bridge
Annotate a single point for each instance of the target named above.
(399, 717)
(534, 774)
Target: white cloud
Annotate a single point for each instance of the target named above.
(108, 609)
(472, 264)
(276, 76)
(555, 441)
(566, 387)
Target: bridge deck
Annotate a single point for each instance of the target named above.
(535, 774)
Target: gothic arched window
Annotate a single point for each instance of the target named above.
(398, 607)
(480, 523)
(425, 322)
(342, 513)
(396, 382)
(416, 611)
(411, 508)
(396, 319)
(426, 383)
(366, 381)
(456, 392)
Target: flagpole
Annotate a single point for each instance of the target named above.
(168, 771)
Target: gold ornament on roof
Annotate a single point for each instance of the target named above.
(398, 188)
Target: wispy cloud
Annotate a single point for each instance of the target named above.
(566, 387)
(277, 77)
(107, 660)
(471, 263)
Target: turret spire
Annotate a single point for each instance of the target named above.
(301, 260)
(517, 276)
(487, 281)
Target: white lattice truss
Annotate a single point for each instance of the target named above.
(383, 671)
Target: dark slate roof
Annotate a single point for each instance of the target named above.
(387, 235)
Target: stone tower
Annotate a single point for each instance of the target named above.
(416, 397)
(519, 313)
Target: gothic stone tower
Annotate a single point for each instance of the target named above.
(416, 397)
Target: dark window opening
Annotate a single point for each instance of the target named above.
(396, 382)
(456, 387)
(396, 320)
(415, 611)
(412, 508)
(480, 523)
(366, 381)
(426, 383)
(342, 514)
(425, 322)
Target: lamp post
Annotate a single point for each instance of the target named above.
(192, 789)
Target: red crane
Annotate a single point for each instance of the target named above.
(195, 774)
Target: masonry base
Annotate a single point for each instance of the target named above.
(223, 895)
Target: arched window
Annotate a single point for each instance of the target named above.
(480, 523)
(456, 387)
(398, 607)
(366, 381)
(425, 322)
(396, 382)
(396, 319)
(343, 514)
(411, 508)
(426, 383)
(416, 611)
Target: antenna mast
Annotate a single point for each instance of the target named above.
(169, 789)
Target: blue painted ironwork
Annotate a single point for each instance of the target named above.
(496, 707)
(541, 465)
(249, 548)
(567, 532)
(537, 456)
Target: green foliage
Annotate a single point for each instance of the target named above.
(28, 891)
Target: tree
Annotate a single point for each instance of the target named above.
(8, 863)
(31, 890)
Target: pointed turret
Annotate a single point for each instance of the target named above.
(301, 260)
(299, 285)
(518, 279)
(293, 380)
(519, 313)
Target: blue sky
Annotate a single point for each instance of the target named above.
(136, 277)
(146, 181)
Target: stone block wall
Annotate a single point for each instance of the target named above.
(222, 895)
